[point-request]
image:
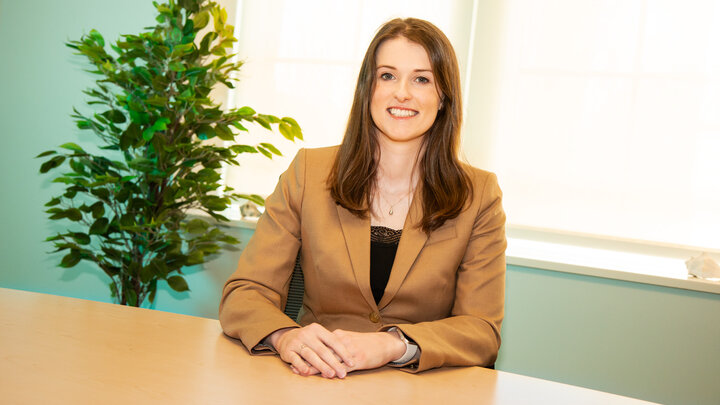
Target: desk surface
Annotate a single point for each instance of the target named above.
(65, 350)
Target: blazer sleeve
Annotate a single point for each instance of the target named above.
(470, 336)
(255, 294)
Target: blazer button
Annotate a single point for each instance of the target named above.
(375, 317)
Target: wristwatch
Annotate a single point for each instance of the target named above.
(411, 348)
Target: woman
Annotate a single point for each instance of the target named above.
(402, 246)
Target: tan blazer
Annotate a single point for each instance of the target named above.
(445, 292)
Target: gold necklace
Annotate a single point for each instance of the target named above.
(390, 212)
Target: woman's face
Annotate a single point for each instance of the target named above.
(405, 99)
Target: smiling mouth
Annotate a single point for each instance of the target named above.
(402, 112)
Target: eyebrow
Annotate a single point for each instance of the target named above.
(394, 68)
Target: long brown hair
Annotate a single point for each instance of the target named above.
(446, 185)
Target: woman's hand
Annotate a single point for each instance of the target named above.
(371, 350)
(313, 349)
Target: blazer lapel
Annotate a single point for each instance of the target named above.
(411, 243)
(357, 240)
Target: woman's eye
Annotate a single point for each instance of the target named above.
(422, 79)
(386, 76)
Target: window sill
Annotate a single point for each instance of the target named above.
(618, 259)
(639, 262)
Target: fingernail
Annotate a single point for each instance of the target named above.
(342, 374)
(294, 370)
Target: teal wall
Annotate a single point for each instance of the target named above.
(656, 343)
(644, 341)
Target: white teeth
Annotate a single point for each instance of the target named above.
(400, 112)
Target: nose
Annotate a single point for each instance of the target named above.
(402, 91)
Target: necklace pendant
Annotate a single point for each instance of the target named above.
(390, 212)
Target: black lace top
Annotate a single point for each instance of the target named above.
(383, 247)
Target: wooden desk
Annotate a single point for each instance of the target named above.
(63, 350)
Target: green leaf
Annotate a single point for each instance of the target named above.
(57, 213)
(264, 152)
(157, 101)
(269, 118)
(53, 202)
(215, 203)
(180, 50)
(97, 37)
(176, 66)
(99, 227)
(148, 134)
(52, 163)
(186, 94)
(70, 259)
(46, 153)
(115, 116)
(254, 198)
(206, 132)
(263, 122)
(98, 209)
(143, 73)
(83, 124)
(139, 117)
(206, 41)
(131, 296)
(158, 267)
(130, 136)
(271, 148)
(73, 214)
(201, 20)
(127, 220)
(159, 125)
(229, 239)
(153, 289)
(188, 31)
(178, 283)
(146, 274)
(195, 257)
(286, 131)
(113, 289)
(194, 71)
(238, 125)
(101, 193)
(112, 254)
(81, 238)
(294, 126)
(218, 51)
(141, 164)
(247, 111)
(175, 35)
(196, 226)
(223, 132)
(243, 149)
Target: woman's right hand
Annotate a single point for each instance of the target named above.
(312, 349)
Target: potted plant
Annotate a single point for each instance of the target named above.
(151, 112)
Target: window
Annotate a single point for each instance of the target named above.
(607, 118)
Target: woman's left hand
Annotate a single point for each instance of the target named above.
(368, 349)
(371, 349)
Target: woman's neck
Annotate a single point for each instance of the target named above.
(395, 182)
(398, 165)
